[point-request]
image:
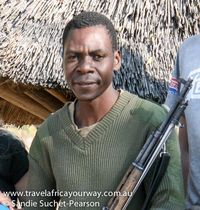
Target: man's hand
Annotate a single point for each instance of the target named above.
(6, 201)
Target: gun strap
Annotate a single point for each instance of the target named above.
(159, 172)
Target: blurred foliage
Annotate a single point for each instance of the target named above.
(25, 133)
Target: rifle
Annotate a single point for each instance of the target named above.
(149, 152)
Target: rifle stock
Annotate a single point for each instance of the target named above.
(126, 185)
(154, 144)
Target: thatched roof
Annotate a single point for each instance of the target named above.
(149, 33)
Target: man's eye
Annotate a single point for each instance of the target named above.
(71, 57)
(97, 57)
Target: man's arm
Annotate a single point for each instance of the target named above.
(40, 178)
(183, 141)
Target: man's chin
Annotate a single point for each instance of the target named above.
(86, 96)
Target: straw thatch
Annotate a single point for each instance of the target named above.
(149, 33)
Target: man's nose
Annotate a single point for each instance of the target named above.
(85, 65)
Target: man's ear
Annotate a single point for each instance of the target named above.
(117, 60)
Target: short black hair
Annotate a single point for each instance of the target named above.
(87, 19)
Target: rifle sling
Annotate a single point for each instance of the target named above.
(159, 172)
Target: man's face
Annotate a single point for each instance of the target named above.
(89, 61)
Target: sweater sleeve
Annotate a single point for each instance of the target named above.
(170, 193)
(41, 184)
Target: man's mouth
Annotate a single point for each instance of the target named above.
(85, 83)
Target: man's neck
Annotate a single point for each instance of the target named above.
(87, 113)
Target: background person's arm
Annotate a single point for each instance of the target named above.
(20, 187)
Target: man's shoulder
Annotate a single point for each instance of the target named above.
(153, 112)
(146, 110)
(191, 39)
(190, 43)
(153, 107)
(52, 121)
(145, 103)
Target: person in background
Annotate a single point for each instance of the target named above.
(188, 66)
(13, 168)
(87, 146)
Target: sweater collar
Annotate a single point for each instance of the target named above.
(102, 126)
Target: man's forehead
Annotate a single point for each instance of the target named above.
(99, 29)
(94, 37)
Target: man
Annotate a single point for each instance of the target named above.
(188, 66)
(82, 151)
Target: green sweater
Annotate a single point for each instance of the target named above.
(85, 171)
